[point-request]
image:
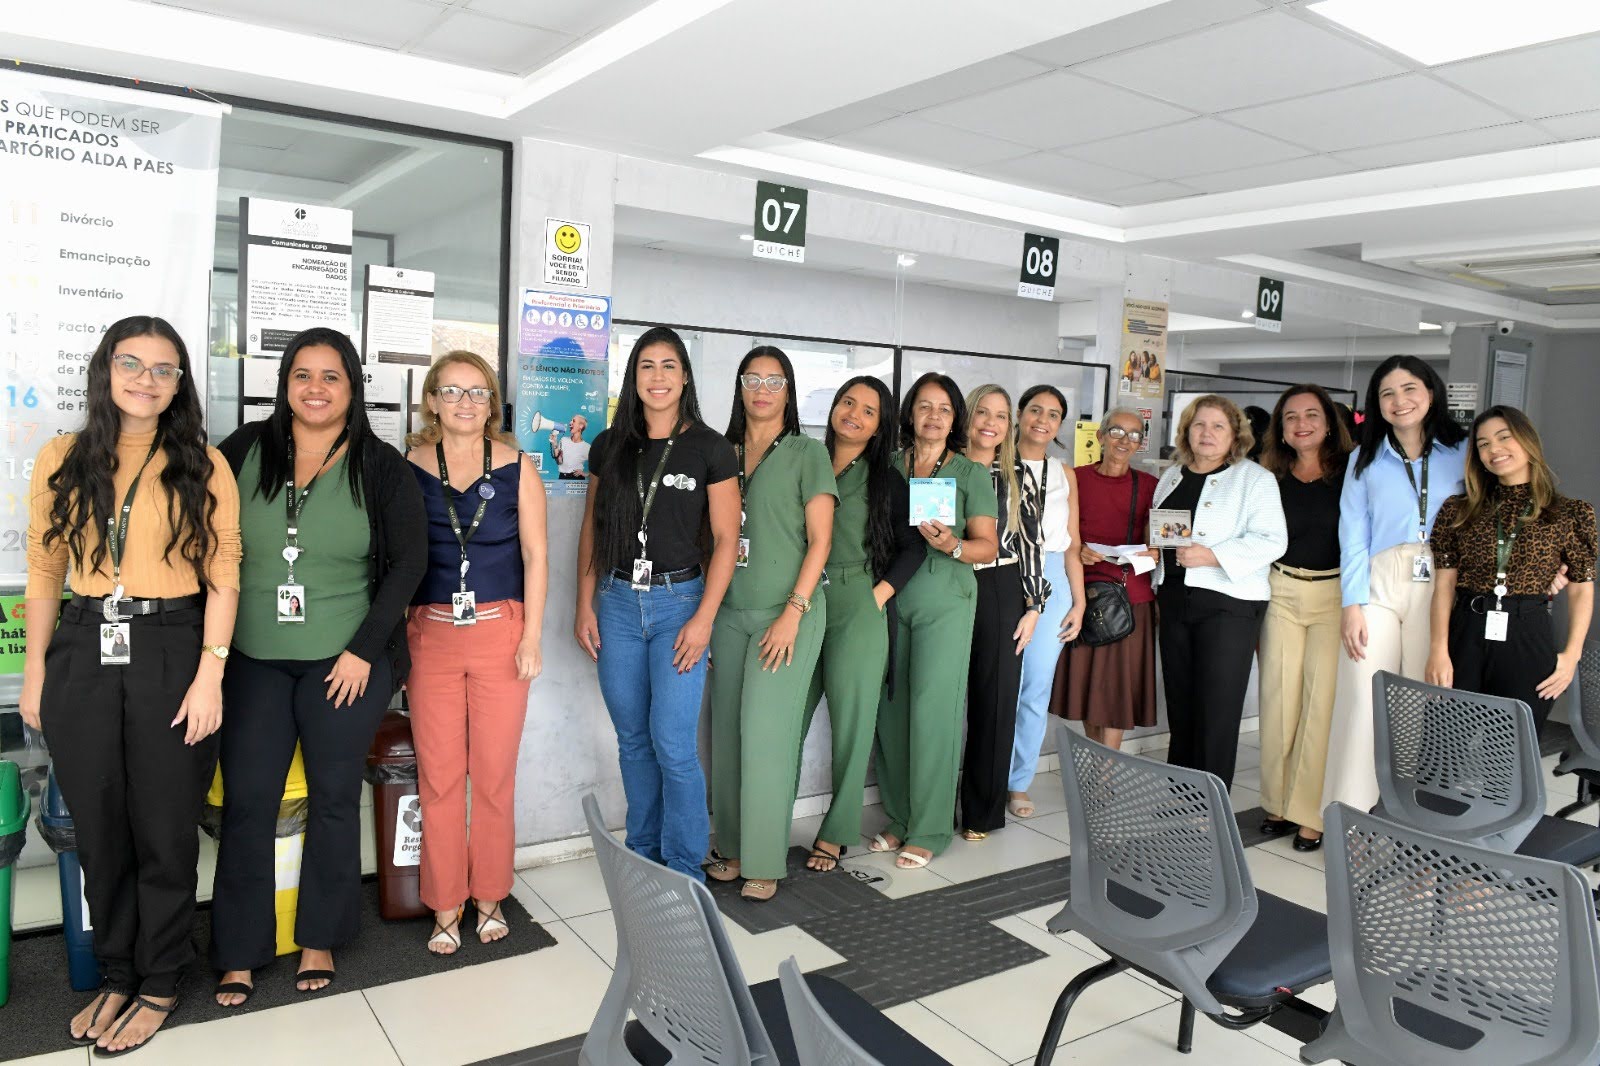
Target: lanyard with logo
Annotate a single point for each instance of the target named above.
(743, 558)
(643, 568)
(464, 608)
(1421, 491)
(292, 596)
(1504, 541)
(117, 537)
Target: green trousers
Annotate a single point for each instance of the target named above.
(919, 730)
(855, 655)
(756, 718)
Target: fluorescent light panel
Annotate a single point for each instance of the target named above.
(1442, 31)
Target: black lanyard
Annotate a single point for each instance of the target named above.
(450, 503)
(647, 499)
(292, 507)
(117, 527)
(1422, 492)
(743, 480)
(1504, 542)
(911, 463)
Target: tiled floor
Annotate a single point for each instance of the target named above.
(499, 1008)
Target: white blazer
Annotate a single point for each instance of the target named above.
(1240, 518)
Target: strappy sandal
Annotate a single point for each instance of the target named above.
(495, 917)
(99, 1004)
(139, 1003)
(443, 937)
(720, 868)
(758, 891)
(819, 854)
(880, 843)
(908, 860)
(234, 988)
(974, 835)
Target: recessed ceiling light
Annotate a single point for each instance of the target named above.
(905, 259)
(1441, 31)
(1247, 314)
(1428, 325)
(747, 236)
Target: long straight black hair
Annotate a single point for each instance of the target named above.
(275, 441)
(1437, 426)
(82, 487)
(882, 479)
(956, 440)
(616, 506)
(791, 398)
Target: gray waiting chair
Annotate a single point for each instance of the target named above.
(1451, 953)
(1159, 883)
(1466, 766)
(818, 1039)
(1585, 760)
(677, 976)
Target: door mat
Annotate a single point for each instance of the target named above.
(42, 1002)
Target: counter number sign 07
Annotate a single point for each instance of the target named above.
(1269, 305)
(780, 227)
(1040, 256)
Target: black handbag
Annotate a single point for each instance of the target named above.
(1108, 614)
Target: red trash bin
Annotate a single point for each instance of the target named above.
(397, 811)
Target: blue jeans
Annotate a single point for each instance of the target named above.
(1039, 660)
(656, 712)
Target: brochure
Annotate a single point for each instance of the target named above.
(1171, 529)
(933, 499)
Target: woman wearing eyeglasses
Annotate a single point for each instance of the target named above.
(1112, 688)
(769, 629)
(474, 635)
(128, 688)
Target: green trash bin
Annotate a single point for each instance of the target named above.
(13, 824)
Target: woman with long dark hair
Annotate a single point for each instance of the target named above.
(1497, 548)
(919, 718)
(769, 629)
(1305, 449)
(333, 517)
(874, 552)
(649, 586)
(128, 688)
(1408, 462)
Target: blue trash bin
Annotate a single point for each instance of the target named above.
(55, 825)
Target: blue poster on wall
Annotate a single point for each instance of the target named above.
(562, 344)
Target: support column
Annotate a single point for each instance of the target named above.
(1144, 278)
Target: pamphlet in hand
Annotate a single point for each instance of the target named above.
(933, 499)
(1127, 555)
(1171, 529)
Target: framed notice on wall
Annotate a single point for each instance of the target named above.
(294, 271)
(397, 318)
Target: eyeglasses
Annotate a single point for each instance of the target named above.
(132, 368)
(1118, 433)
(453, 394)
(754, 382)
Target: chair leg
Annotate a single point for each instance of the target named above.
(1069, 996)
(1186, 1028)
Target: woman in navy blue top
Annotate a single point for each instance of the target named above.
(474, 636)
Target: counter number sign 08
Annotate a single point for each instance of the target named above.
(1269, 305)
(780, 226)
(1039, 259)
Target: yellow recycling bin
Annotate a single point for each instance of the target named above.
(287, 848)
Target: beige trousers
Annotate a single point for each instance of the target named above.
(1299, 660)
(1397, 641)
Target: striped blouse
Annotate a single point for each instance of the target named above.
(1026, 545)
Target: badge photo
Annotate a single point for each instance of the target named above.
(1422, 568)
(116, 644)
(291, 603)
(464, 608)
(743, 558)
(643, 570)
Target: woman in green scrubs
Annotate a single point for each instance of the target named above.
(875, 552)
(768, 632)
(919, 719)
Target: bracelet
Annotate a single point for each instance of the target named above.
(955, 553)
(799, 602)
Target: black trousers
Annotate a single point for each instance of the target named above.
(1207, 641)
(1512, 667)
(272, 704)
(134, 788)
(992, 683)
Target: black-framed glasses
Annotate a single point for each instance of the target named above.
(754, 382)
(132, 368)
(453, 394)
(1118, 433)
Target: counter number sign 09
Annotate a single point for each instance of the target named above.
(780, 226)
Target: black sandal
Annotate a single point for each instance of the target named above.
(139, 1003)
(313, 975)
(99, 1004)
(234, 988)
(818, 853)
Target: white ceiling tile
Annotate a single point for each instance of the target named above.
(839, 120)
(1199, 146)
(575, 17)
(992, 73)
(492, 44)
(1270, 56)
(1553, 79)
(1148, 193)
(1450, 146)
(380, 23)
(1151, 24)
(1056, 173)
(1054, 110)
(1409, 106)
(1303, 169)
(915, 138)
(1577, 127)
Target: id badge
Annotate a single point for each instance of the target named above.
(1422, 568)
(464, 608)
(1495, 624)
(116, 644)
(291, 604)
(743, 558)
(643, 570)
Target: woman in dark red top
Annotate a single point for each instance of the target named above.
(1112, 688)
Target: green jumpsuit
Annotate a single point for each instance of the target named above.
(919, 727)
(756, 714)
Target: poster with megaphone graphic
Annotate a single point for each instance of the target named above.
(562, 344)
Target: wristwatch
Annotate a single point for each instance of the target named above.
(219, 650)
(955, 553)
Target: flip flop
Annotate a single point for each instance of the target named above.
(139, 1003)
(909, 861)
(99, 1004)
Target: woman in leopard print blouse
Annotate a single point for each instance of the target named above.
(1496, 550)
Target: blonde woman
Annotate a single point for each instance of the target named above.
(474, 633)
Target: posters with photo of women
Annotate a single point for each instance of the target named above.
(1143, 371)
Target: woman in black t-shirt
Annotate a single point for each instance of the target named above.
(647, 596)
(1305, 448)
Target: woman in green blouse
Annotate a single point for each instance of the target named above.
(768, 632)
(919, 719)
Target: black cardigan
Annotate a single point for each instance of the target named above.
(398, 553)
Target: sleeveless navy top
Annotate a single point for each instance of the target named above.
(495, 550)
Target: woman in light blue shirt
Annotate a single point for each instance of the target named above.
(1409, 461)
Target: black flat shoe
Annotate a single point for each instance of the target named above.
(1276, 827)
(1306, 843)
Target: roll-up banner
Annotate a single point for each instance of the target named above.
(294, 271)
(107, 209)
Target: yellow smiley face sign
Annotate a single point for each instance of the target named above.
(568, 239)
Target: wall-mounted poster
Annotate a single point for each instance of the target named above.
(561, 383)
(1143, 373)
(397, 316)
(294, 271)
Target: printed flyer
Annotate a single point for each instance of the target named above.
(1144, 349)
(561, 384)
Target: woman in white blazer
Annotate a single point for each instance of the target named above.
(1213, 590)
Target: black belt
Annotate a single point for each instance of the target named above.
(95, 605)
(688, 573)
(1483, 602)
(1287, 572)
